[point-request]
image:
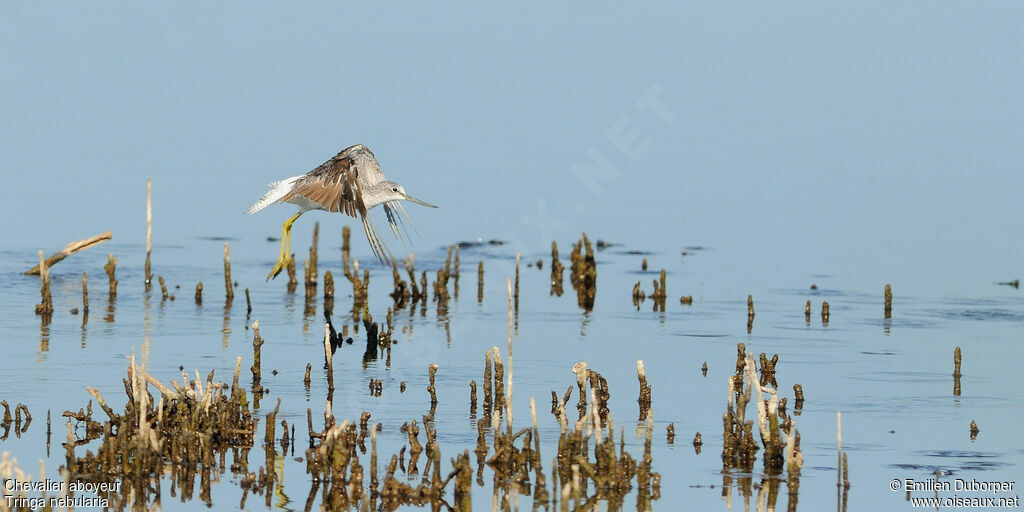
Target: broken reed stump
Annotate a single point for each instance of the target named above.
(644, 400)
(182, 437)
(70, 249)
(488, 395)
(798, 393)
(248, 303)
(360, 287)
(583, 274)
(974, 430)
(345, 247)
(45, 307)
(779, 439)
(328, 358)
(643, 265)
(659, 292)
(432, 370)
(639, 295)
(110, 268)
(149, 231)
(455, 273)
(312, 272)
(511, 328)
(441, 295)
(417, 292)
(472, 398)
(499, 381)
(580, 371)
(556, 271)
(516, 291)
(750, 312)
(824, 312)
(199, 292)
(328, 293)
(85, 294)
(229, 291)
(956, 371)
(328, 285)
(334, 462)
(888, 301)
(257, 343)
(807, 312)
(290, 269)
(768, 370)
(163, 288)
(480, 282)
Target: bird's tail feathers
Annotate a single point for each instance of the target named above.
(278, 190)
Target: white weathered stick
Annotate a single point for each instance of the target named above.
(70, 249)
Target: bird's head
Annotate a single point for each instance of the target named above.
(390, 191)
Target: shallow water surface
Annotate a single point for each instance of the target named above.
(891, 378)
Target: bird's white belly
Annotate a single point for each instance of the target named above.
(305, 204)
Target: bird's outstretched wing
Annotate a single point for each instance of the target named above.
(333, 186)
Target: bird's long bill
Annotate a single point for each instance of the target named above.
(417, 201)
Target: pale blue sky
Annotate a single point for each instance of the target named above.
(822, 129)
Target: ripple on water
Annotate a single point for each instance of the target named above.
(959, 460)
(700, 334)
(898, 376)
(994, 314)
(898, 323)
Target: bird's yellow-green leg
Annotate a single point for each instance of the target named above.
(286, 244)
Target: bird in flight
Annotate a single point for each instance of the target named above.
(350, 183)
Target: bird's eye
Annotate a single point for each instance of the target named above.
(394, 189)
